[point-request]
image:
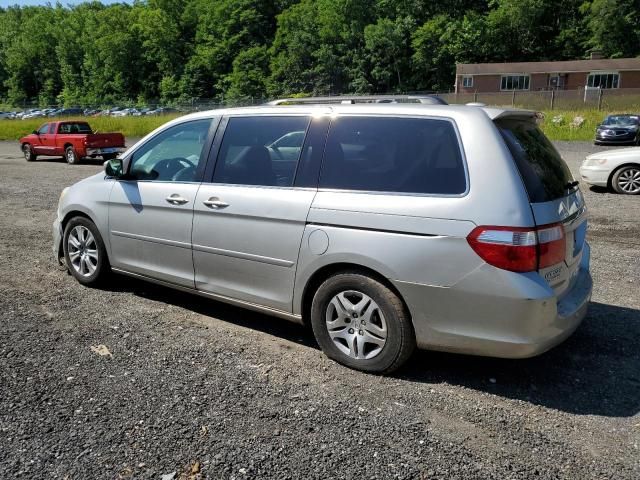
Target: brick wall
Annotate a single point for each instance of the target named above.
(540, 81)
(629, 80)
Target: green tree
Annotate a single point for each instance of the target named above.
(248, 79)
(614, 27)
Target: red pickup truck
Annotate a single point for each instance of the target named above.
(73, 140)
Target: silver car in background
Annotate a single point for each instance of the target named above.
(382, 226)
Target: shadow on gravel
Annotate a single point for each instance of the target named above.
(596, 189)
(595, 372)
(277, 327)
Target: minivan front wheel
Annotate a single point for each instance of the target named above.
(84, 251)
(361, 323)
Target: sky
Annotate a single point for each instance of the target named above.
(6, 3)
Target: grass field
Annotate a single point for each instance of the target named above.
(128, 126)
(139, 126)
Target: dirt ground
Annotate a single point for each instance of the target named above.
(196, 389)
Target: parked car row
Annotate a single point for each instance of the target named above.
(86, 112)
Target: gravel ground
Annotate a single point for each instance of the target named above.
(196, 389)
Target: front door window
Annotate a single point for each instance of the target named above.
(174, 155)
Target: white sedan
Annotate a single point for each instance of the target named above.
(619, 169)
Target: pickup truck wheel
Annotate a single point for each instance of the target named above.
(71, 156)
(28, 152)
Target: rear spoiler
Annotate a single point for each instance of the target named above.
(498, 113)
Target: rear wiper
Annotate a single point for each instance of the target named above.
(571, 185)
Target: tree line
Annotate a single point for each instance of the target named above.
(184, 50)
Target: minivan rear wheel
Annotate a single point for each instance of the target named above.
(84, 252)
(361, 323)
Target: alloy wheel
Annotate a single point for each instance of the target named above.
(629, 180)
(83, 251)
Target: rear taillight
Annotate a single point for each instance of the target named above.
(519, 249)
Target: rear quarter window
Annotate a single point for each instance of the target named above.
(393, 154)
(545, 174)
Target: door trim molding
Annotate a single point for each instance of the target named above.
(221, 298)
(145, 238)
(244, 256)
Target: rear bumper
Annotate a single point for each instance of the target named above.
(498, 313)
(595, 175)
(93, 152)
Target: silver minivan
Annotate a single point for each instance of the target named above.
(383, 226)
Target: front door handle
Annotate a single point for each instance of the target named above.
(215, 202)
(176, 199)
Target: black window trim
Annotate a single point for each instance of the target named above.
(213, 127)
(401, 194)
(217, 143)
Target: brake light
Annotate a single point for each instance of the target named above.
(519, 249)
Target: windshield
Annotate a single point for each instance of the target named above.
(622, 120)
(545, 175)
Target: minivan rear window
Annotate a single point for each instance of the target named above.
(545, 175)
(393, 154)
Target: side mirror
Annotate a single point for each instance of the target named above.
(35, 132)
(114, 168)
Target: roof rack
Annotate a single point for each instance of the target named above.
(351, 99)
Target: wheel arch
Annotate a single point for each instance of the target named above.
(326, 271)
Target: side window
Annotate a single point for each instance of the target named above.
(174, 155)
(43, 129)
(52, 128)
(260, 150)
(404, 155)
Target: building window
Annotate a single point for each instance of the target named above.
(467, 82)
(514, 82)
(603, 80)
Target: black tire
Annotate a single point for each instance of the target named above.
(619, 176)
(27, 151)
(400, 336)
(102, 267)
(71, 156)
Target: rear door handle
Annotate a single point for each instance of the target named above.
(215, 202)
(176, 199)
